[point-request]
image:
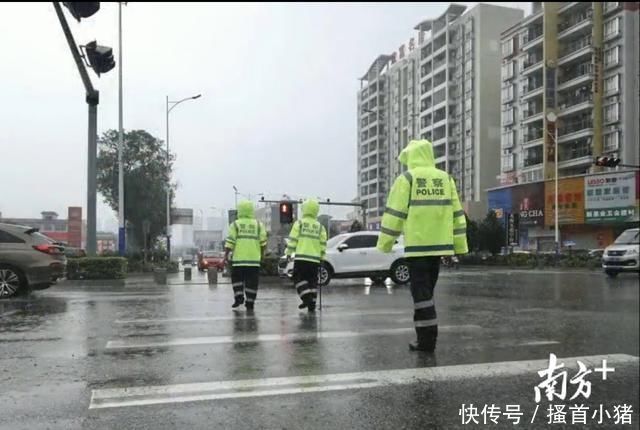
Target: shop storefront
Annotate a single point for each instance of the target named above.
(592, 210)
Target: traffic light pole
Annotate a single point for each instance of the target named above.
(92, 98)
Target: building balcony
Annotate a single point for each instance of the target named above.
(572, 106)
(565, 6)
(533, 18)
(583, 52)
(584, 24)
(584, 160)
(576, 130)
(531, 66)
(531, 117)
(531, 93)
(532, 137)
(574, 80)
(531, 162)
(532, 39)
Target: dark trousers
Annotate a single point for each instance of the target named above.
(305, 276)
(424, 275)
(245, 281)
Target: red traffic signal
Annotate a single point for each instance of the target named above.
(607, 161)
(286, 213)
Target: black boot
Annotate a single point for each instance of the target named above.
(249, 306)
(238, 301)
(415, 346)
(312, 307)
(302, 305)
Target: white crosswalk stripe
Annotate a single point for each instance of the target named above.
(180, 393)
(212, 340)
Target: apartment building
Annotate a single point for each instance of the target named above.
(578, 61)
(444, 85)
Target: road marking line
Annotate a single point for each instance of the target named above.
(539, 343)
(10, 313)
(180, 393)
(211, 340)
(247, 317)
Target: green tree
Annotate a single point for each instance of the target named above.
(491, 234)
(145, 180)
(472, 234)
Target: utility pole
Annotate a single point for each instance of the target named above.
(121, 221)
(92, 99)
(100, 59)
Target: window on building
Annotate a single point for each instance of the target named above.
(508, 162)
(612, 56)
(508, 70)
(468, 85)
(508, 47)
(507, 93)
(612, 113)
(405, 80)
(612, 84)
(612, 27)
(612, 141)
(508, 138)
(508, 116)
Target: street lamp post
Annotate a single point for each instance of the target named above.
(552, 118)
(235, 191)
(168, 110)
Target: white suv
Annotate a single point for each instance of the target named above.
(622, 256)
(354, 255)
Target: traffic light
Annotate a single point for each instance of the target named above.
(286, 213)
(100, 57)
(82, 9)
(607, 161)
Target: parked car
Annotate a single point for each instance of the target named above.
(211, 259)
(187, 260)
(623, 254)
(596, 253)
(28, 260)
(354, 255)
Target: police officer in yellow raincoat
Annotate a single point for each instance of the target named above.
(423, 205)
(308, 242)
(247, 240)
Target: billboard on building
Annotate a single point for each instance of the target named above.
(570, 201)
(528, 201)
(500, 202)
(610, 197)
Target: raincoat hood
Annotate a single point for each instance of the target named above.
(310, 208)
(418, 153)
(246, 210)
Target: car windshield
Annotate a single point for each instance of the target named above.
(629, 237)
(212, 254)
(335, 240)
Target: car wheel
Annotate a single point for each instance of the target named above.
(611, 273)
(11, 282)
(324, 275)
(400, 273)
(378, 279)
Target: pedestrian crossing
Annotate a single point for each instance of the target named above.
(180, 393)
(280, 351)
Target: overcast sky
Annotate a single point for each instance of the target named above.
(278, 106)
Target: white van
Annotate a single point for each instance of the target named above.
(623, 254)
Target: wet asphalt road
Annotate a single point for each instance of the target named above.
(154, 357)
